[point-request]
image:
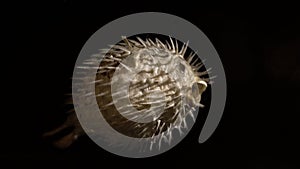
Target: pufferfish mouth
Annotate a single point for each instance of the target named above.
(196, 91)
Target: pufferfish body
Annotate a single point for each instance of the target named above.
(145, 89)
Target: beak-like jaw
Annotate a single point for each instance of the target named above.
(202, 85)
(196, 91)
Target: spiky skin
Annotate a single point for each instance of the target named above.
(153, 76)
(160, 79)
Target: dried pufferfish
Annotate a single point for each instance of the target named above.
(145, 88)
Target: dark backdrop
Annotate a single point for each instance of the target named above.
(258, 45)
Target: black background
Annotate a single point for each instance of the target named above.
(259, 46)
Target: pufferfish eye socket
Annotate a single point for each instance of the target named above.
(181, 67)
